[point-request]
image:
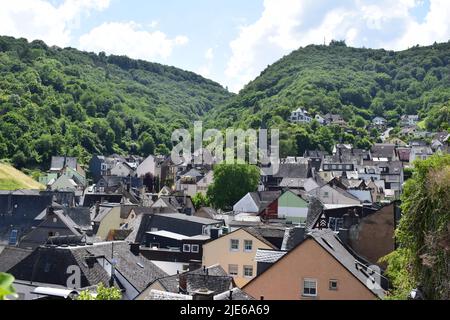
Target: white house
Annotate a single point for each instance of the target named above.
(300, 116)
(379, 121)
(333, 195)
(122, 169)
(409, 120)
(247, 204)
(147, 166)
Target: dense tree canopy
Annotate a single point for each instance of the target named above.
(358, 84)
(63, 101)
(231, 183)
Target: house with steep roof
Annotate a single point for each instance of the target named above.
(235, 252)
(334, 195)
(319, 268)
(88, 265)
(213, 278)
(255, 202)
(289, 205)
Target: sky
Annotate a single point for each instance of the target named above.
(228, 41)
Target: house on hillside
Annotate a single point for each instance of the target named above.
(289, 205)
(300, 116)
(379, 121)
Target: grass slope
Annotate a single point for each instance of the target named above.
(13, 179)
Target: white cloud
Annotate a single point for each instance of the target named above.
(205, 70)
(39, 19)
(285, 25)
(129, 38)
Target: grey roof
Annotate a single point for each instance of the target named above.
(383, 150)
(292, 238)
(293, 170)
(213, 278)
(138, 270)
(269, 256)
(103, 211)
(181, 216)
(164, 295)
(263, 198)
(49, 265)
(60, 162)
(329, 241)
(235, 294)
(10, 256)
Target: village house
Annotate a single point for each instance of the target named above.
(409, 120)
(300, 116)
(379, 121)
(319, 268)
(289, 206)
(235, 253)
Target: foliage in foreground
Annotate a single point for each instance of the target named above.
(103, 293)
(422, 259)
(6, 286)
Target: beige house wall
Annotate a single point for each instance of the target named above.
(154, 286)
(219, 252)
(284, 280)
(111, 221)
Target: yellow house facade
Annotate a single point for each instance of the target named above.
(235, 253)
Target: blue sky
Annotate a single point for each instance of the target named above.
(229, 41)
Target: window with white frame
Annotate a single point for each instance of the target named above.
(248, 245)
(186, 247)
(234, 245)
(248, 271)
(195, 248)
(233, 269)
(310, 287)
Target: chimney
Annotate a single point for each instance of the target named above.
(97, 208)
(50, 211)
(203, 294)
(134, 248)
(230, 297)
(214, 233)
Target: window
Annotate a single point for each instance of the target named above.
(349, 167)
(233, 269)
(333, 285)
(195, 248)
(310, 288)
(186, 248)
(326, 194)
(234, 245)
(13, 237)
(248, 271)
(248, 245)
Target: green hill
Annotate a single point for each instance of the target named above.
(64, 101)
(13, 179)
(358, 84)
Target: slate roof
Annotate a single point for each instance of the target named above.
(216, 279)
(293, 237)
(49, 265)
(138, 270)
(263, 198)
(235, 294)
(164, 295)
(329, 241)
(269, 256)
(181, 216)
(10, 256)
(293, 170)
(58, 163)
(383, 150)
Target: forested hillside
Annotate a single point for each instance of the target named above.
(358, 84)
(63, 101)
